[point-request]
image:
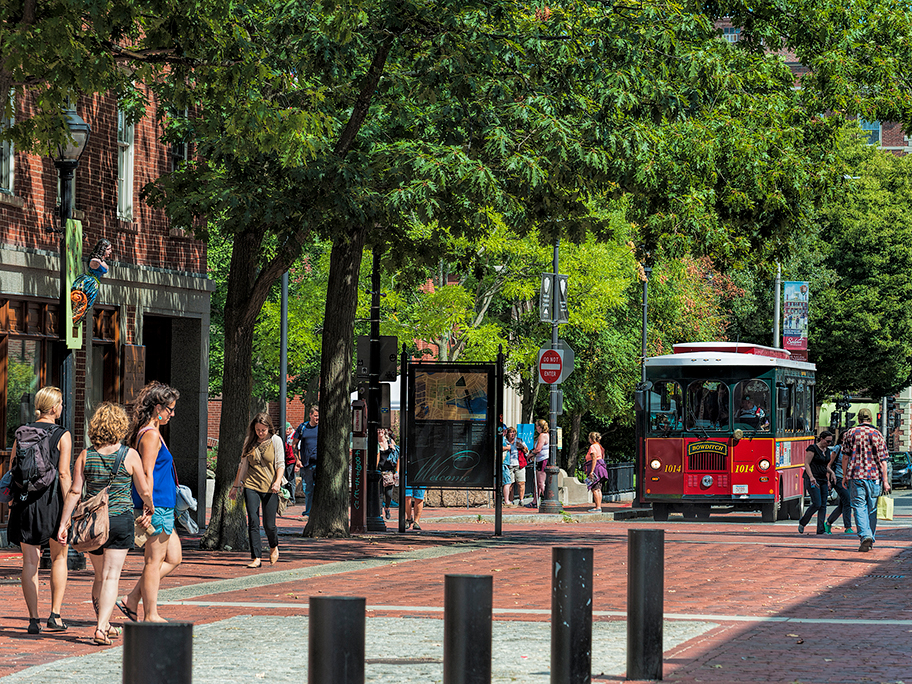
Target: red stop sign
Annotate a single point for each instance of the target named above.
(550, 366)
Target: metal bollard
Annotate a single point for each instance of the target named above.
(571, 615)
(645, 603)
(158, 652)
(336, 640)
(467, 636)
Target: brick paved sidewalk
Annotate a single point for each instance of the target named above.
(776, 606)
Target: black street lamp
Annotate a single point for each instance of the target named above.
(66, 160)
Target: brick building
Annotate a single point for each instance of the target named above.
(151, 318)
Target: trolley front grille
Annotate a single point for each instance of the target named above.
(706, 462)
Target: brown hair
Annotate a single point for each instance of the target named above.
(251, 440)
(595, 437)
(108, 425)
(152, 395)
(543, 424)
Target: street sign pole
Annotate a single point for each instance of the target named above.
(550, 503)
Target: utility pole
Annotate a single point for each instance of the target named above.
(550, 502)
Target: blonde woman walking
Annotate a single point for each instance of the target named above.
(34, 514)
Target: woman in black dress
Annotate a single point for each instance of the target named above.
(34, 516)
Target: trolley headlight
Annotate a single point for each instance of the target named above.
(764, 464)
(655, 464)
(707, 481)
(738, 434)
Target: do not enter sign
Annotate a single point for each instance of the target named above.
(550, 365)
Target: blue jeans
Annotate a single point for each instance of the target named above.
(844, 506)
(864, 502)
(307, 477)
(818, 496)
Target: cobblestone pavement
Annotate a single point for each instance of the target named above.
(397, 650)
(744, 602)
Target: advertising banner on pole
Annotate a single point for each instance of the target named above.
(452, 439)
(795, 320)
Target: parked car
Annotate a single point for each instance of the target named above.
(902, 469)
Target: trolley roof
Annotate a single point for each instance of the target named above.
(728, 354)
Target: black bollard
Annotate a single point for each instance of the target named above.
(467, 637)
(645, 603)
(158, 652)
(336, 640)
(571, 615)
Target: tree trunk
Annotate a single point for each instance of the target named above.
(228, 525)
(330, 514)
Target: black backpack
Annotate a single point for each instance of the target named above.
(34, 469)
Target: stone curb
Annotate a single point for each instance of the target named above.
(544, 518)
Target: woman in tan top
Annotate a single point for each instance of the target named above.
(260, 476)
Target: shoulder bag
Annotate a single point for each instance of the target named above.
(90, 526)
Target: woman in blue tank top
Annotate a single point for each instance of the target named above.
(154, 407)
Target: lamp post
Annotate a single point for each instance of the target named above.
(66, 160)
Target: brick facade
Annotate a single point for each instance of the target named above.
(156, 293)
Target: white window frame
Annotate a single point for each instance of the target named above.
(731, 34)
(7, 157)
(125, 159)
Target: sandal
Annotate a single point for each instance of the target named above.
(125, 609)
(114, 632)
(34, 626)
(55, 624)
(101, 639)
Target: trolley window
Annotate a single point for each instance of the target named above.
(753, 402)
(707, 405)
(666, 408)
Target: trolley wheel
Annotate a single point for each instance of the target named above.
(769, 511)
(796, 508)
(660, 512)
(782, 512)
(702, 512)
(689, 512)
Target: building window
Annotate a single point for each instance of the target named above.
(872, 128)
(6, 157)
(124, 167)
(731, 33)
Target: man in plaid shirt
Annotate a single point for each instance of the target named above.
(864, 464)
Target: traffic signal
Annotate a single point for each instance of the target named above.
(891, 404)
(850, 420)
(834, 420)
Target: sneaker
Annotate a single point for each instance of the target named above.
(387, 513)
(595, 510)
(531, 505)
(828, 529)
(848, 530)
(416, 526)
(866, 544)
(800, 528)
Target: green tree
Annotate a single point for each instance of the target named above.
(413, 112)
(861, 325)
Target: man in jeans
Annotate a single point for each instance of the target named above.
(864, 465)
(306, 437)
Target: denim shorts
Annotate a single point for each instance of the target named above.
(415, 493)
(163, 520)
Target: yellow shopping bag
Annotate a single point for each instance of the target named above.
(885, 508)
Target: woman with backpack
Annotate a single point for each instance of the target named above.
(108, 464)
(162, 553)
(41, 478)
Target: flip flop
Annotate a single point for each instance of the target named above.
(125, 609)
